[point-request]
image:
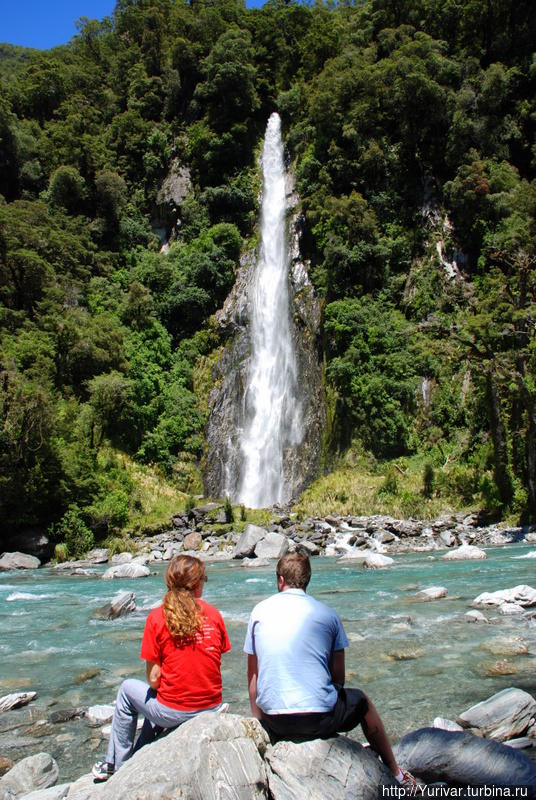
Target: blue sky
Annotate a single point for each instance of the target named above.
(46, 23)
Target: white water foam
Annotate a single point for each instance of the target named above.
(28, 596)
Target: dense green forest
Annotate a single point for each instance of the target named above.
(410, 128)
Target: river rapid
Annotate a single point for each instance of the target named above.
(416, 660)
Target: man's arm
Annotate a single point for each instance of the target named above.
(336, 667)
(252, 685)
(154, 674)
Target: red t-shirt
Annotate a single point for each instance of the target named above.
(191, 676)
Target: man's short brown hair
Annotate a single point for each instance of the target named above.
(295, 568)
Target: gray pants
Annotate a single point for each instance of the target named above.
(136, 697)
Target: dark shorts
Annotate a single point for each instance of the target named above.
(348, 712)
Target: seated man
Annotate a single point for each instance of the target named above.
(295, 647)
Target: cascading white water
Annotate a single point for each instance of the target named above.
(272, 408)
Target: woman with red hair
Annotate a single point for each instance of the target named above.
(182, 645)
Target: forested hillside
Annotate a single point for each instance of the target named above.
(410, 128)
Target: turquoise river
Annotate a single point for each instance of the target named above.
(416, 660)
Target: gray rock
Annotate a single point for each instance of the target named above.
(377, 561)
(522, 595)
(174, 550)
(334, 769)
(307, 547)
(466, 552)
(192, 541)
(99, 715)
(248, 540)
(119, 606)
(431, 593)
(520, 744)
(384, 537)
(35, 772)
(274, 545)
(122, 558)
(18, 561)
(126, 571)
(255, 562)
(53, 793)
(15, 700)
(211, 757)
(99, 555)
(505, 715)
(462, 759)
(509, 609)
(447, 538)
(357, 556)
(476, 616)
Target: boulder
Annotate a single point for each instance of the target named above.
(15, 700)
(216, 756)
(357, 556)
(248, 540)
(100, 555)
(99, 715)
(507, 646)
(447, 538)
(322, 769)
(255, 562)
(462, 759)
(509, 609)
(307, 547)
(35, 772)
(464, 553)
(119, 606)
(476, 616)
(384, 537)
(431, 593)
(122, 558)
(505, 715)
(174, 550)
(522, 595)
(126, 571)
(192, 541)
(18, 561)
(274, 545)
(377, 561)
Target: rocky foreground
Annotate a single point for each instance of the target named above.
(226, 756)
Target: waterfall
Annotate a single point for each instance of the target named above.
(272, 412)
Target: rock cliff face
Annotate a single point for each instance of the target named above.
(301, 464)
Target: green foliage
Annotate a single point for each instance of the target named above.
(61, 552)
(410, 130)
(390, 484)
(428, 480)
(74, 533)
(228, 510)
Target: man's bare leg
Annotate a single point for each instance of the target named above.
(378, 739)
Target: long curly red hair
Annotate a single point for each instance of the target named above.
(183, 615)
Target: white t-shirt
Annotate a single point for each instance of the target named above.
(294, 636)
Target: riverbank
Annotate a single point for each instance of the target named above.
(417, 659)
